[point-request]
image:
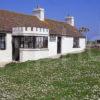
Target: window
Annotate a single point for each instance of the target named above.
(39, 42)
(76, 43)
(98, 41)
(27, 42)
(45, 42)
(33, 42)
(52, 38)
(22, 42)
(2, 42)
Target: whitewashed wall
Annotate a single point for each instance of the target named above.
(83, 43)
(52, 45)
(33, 54)
(30, 31)
(6, 55)
(67, 45)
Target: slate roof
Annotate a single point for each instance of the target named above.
(8, 20)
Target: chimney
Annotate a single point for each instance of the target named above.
(39, 13)
(70, 20)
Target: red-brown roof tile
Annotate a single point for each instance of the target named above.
(8, 20)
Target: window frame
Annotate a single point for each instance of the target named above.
(52, 38)
(37, 42)
(2, 41)
(76, 42)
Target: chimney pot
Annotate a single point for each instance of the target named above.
(39, 13)
(70, 20)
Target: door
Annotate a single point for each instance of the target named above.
(59, 45)
(15, 48)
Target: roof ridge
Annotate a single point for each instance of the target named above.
(19, 13)
(55, 20)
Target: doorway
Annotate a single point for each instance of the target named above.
(15, 48)
(59, 45)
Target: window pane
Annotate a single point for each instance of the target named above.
(39, 42)
(30, 43)
(22, 42)
(2, 41)
(45, 42)
(76, 43)
(33, 42)
(52, 38)
(25, 42)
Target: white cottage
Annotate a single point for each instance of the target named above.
(31, 37)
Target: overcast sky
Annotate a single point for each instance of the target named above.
(86, 12)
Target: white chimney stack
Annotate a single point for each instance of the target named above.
(39, 13)
(70, 20)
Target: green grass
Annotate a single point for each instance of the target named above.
(71, 77)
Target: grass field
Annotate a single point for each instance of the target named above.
(71, 77)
